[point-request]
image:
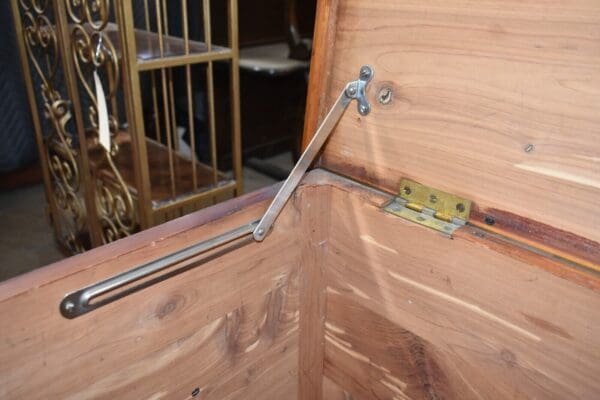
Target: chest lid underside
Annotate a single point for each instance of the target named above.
(494, 101)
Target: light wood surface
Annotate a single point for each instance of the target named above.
(341, 301)
(474, 84)
(228, 327)
(412, 314)
(332, 391)
(315, 225)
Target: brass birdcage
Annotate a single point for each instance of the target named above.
(154, 63)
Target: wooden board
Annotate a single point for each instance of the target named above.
(412, 314)
(341, 301)
(228, 327)
(474, 85)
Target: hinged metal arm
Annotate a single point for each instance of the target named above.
(101, 293)
(353, 90)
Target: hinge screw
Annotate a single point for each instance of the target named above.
(365, 72)
(433, 198)
(407, 190)
(363, 109)
(385, 96)
(352, 90)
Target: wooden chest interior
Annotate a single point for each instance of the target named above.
(343, 300)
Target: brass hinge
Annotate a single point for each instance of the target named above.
(429, 207)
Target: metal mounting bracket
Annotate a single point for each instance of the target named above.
(101, 293)
(429, 207)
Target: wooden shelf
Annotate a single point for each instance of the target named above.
(160, 178)
(148, 49)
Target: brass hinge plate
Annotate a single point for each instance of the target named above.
(429, 207)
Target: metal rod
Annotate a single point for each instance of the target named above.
(235, 96)
(147, 15)
(172, 111)
(163, 81)
(190, 99)
(109, 290)
(175, 137)
(161, 45)
(80, 302)
(210, 86)
(153, 78)
(354, 90)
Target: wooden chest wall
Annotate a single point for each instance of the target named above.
(495, 101)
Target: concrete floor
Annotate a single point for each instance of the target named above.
(26, 237)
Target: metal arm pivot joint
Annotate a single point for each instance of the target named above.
(353, 90)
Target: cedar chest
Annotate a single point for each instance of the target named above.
(492, 105)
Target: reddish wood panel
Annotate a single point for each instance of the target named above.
(332, 391)
(315, 229)
(377, 359)
(382, 307)
(465, 319)
(493, 100)
(228, 327)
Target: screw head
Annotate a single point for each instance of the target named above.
(529, 148)
(407, 190)
(489, 220)
(261, 231)
(366, 72)
(433, 198)
(364, 109)
(460, 207)
(352, 90)
(385, 96)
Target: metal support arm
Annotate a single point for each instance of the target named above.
(89, 298)
(353, 90)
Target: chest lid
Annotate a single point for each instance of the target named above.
(493, 101)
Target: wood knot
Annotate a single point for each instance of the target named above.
(168, 307)
(508, 357)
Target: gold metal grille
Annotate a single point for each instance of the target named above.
(154, 75)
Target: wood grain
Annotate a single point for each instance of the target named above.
(209, 327)
(341, 301)
(377, 359)
(465, 319)
(332, 391)
(474, 84)
(320, 67)
(315, 228)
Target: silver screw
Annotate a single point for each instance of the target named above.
(261, 231)
(365, 72)
(529, 148)
(363, 109)
(352, 90)
(385, 96)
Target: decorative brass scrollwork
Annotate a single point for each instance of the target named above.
(41, 46)
(92, 50)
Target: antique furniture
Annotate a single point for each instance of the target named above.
(154, 60)
(445, 247)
